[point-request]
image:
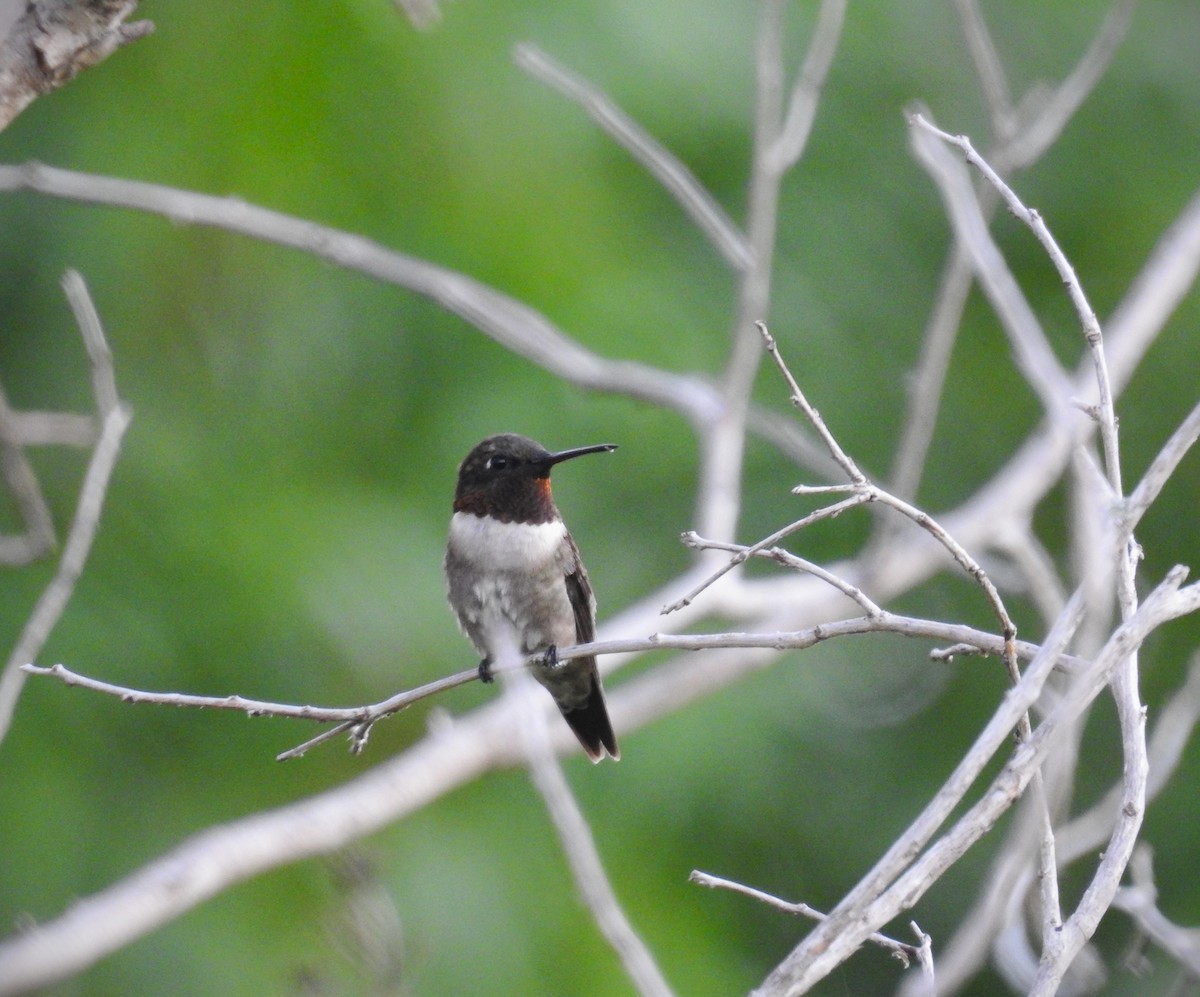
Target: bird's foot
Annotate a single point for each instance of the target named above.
(485, 671)
(550, 658)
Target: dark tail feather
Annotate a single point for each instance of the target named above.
(591, 725)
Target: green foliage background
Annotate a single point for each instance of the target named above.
(276, 522)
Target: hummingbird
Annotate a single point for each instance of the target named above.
(516, 582)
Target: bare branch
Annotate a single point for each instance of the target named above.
(54, 598)
(575, 837)
(1031, 349)
(872, 902)
(363, 717)
(674, 176)
(1160, 470)
(509, 322)
(37, 538)
(996, 92)
(810, 81)
(1081, 837)
(1087, 317)
(50, 42)
(357, 718)
(104, 383)
(1043, 128)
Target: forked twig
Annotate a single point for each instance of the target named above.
(863, 490)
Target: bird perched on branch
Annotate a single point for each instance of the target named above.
(516, 582)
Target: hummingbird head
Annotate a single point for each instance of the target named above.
(507, 477)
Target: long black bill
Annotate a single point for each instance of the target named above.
(558, 458)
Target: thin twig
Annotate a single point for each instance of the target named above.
(1031, 348)
(788, 560)
(903, 951)
(360, 726)
(1087, 316)
(241, 704)
(357, 718)
(797, 397)
(880, 621)
(828, 512)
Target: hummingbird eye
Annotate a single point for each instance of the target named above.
(497, 462)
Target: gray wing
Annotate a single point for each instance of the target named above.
(589, 719)
(579, 592)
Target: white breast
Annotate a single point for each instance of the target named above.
(499, 546)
